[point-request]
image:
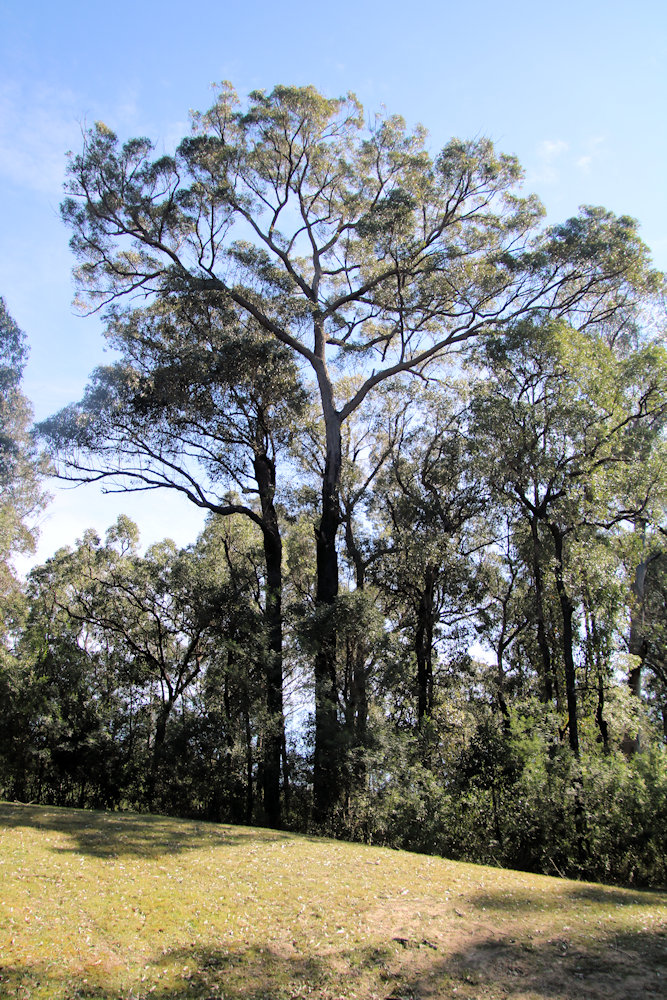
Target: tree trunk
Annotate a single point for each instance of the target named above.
(158, 749)
(358, 682)
(325, 764)
(274, 738)
(602, 724)
(500, 675)
(637, 645)
(542, 642)
(249, 760)
(567, 612)
(424, 645)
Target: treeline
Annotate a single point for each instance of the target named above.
(429, 605)
(500, 686)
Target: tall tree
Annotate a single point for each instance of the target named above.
(427, 501)
(647, 641)
(21, 495)
(199, 405)
(351, 245)
(565, 431)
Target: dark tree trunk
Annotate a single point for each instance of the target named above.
(158, 749)
(274, 738)
(325, 765)
(567, 612)
(424, 645)
(599, 715)
(542, 641)
(359, 695)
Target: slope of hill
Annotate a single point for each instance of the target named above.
(113, 906)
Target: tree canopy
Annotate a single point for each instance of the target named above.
(21, 494)
(299, 296)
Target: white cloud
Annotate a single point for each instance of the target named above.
(555, 159)
(551, 149)
(592, 149)
(548, 154)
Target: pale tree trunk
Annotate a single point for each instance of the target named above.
(358, 715)
(637, 645)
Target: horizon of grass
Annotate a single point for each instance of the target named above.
(123, 906)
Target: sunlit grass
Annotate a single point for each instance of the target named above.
(115, 905)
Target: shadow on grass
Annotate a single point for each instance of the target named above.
(616, 897)
(509, 902)
(209, 973)
(616, 967)
(115, 834)
(619, 967)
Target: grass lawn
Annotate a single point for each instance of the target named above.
(128, 907)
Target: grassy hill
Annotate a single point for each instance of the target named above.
(112, 905)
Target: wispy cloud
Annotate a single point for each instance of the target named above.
(549, 155)
(556, 157)
(593, 148)
(36, 129)
(38, 125)
(551, 149)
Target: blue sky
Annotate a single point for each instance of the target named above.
(577, 90)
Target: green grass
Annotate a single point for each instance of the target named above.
(115, 906)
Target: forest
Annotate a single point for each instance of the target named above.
(428, 609)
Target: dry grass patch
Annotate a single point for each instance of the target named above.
(125, 907)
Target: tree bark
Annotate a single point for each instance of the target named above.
(274, 739)
(542, 642)
(637, 645)
(602, 724)
(358, 715)
(567, 613)
(424, 645)
(325, 765)
(158, 749)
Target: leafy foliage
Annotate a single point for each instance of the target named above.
(428, 608)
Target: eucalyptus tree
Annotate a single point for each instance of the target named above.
(647, 640)
(116, 599)
(123, 640)
(503, 618)
(21, 498)
(21, 467)
(428, 503)
(370, 438)
(350, 245)
(204, 406)
(655, 623)
(566, 429)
